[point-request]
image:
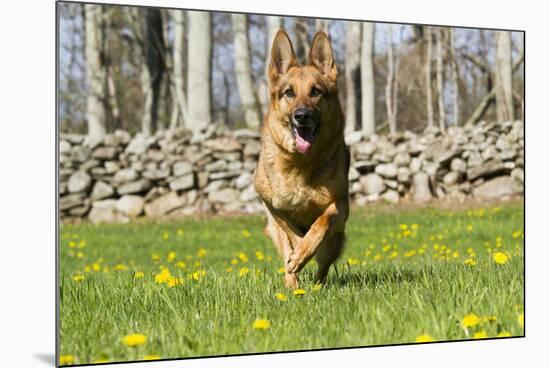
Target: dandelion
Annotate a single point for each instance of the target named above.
(72, 244)
(165, 235)
(456, 254)
(410, 253)
(414, 226)
(138, 275)
(353, 261)
(470, 320)
(179, 232)
(197, 275)
(261, 324)
(180, 264)
(228, 269)
(403, 226)
(121, 267)
(175, 281)
(245, 233)
(299, 292)
(281, 270)
(78, 278)
(201, 253)
(521, 320)
(234, 261)
(79, 255)
(243, 271)
(66, 359)
(469, 228)
(488, 319)
(171, 257)
(394, 255)
(280, 296)
(260, 256)
(155, 257)
(480, 335)
(378, 257)
(163, 276)
(243, 257)
(500, 258)
(96, 266)
(81, 244)
(316, 287)
(151, 357)
(424, 338)
(134, 339)
(504, 334)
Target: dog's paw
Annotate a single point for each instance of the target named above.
(296, 261)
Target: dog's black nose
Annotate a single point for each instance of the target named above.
(302, 114)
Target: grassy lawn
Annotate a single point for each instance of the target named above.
(403, 274)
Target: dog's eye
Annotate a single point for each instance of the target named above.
(289, 93)
(315, 92)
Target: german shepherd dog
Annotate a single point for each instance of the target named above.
(302, 172)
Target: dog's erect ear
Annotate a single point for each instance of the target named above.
(282, 56)
(320, 55)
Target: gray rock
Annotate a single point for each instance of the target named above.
(105, 212)
(372, 183)
(202, 179)
(355, 187)
(111, 167)
(517, 174)
(474, 159)
(502, 186)
(224, 175)
(390, 196)
(135, 187)
(249, 194)
(386, 170)
(125, 176)
(224, 144)
(130, 205)
(421, 188)
(364, 166)
(488, 169)
(72, 138)
(216, 166)
(391, 183)
(183, 182)
(226, 195)
(353, 137)
(156, 174)
(402, 159)
(164, 204)
(138, 145)
(361, 200)
(458, 165)
(415, 165)
(101, 190)
(181, 168)
(80, 210)
(252, 148)
(234, 166)
(489, 153)
(79, 181)
(451, 178)
(227, 156)
(216, 185)
(81, 153)
(244, 180)
(64, 148)
(105, 153)
(246, 133)
(353, 174)
(70, 201)
(403, 175)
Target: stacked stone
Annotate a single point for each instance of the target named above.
(175, 173)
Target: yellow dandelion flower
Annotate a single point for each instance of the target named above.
(96, 266)
(163, 276)
(410, 253)
(171, 257)
(151, 357)
(72, 244)
(414, 226)
(421, 251)
(78, 278)
(480, 335)
(121, 267)
(87, 268)
(500, 258)
(134, 339)
(228, 269)
(234, 261)
(260, 256)
(175, 281)
(245, 233)
(521, 320)
(424, 338)
(353, 261)
(261, 324)
(165, 235)
(470, 262)
(299, 292)
(469, 228)
(407, 233)
(243, 271)
(403, 226)
(470, 320)
(180, 264)
(79, 255)
(138, 275)
(281, 270)
(201, 253)
(179, 232)
(81, 244)
(378, 257)
(281, 297)
(456, 254)
(504, 334)
(386, 248)
(155, 257)
(66, 359)
(243, 257)
(197, 275)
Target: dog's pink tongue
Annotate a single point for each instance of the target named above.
(304, 140)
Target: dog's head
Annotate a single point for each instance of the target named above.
(304, 99)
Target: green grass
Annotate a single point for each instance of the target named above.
(373, 297)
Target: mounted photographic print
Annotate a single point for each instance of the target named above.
(241, 183)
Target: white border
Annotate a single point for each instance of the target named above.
(27, 181)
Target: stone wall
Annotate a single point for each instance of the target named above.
(174, 173)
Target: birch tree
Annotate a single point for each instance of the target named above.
(243, 71)
(322, 25)
(455, 74)
(352, 74)
(96, 76)
(428, 77)
(301, 44)
(367, 79)
(178, 55)
(199, 52)
(391, 83)
(273, 25)
(439, 77)
(503, 76)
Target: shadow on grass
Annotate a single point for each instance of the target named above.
(344, 276)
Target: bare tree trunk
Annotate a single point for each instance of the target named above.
(302, 44)
(178, 55)
(428, 75)
(273, 25)
(367, 79)
(243, 71)
(390, 104)
(439, 78)
(454, 66)
(199, 52)
(322, 25)
(95, 73)
(352, 75)
(503, 76)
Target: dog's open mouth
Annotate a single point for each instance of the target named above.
(304, 137)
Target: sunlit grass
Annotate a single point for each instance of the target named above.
(213, 286)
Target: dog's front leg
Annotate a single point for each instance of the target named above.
(332, 220)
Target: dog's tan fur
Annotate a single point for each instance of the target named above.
(305, 195)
